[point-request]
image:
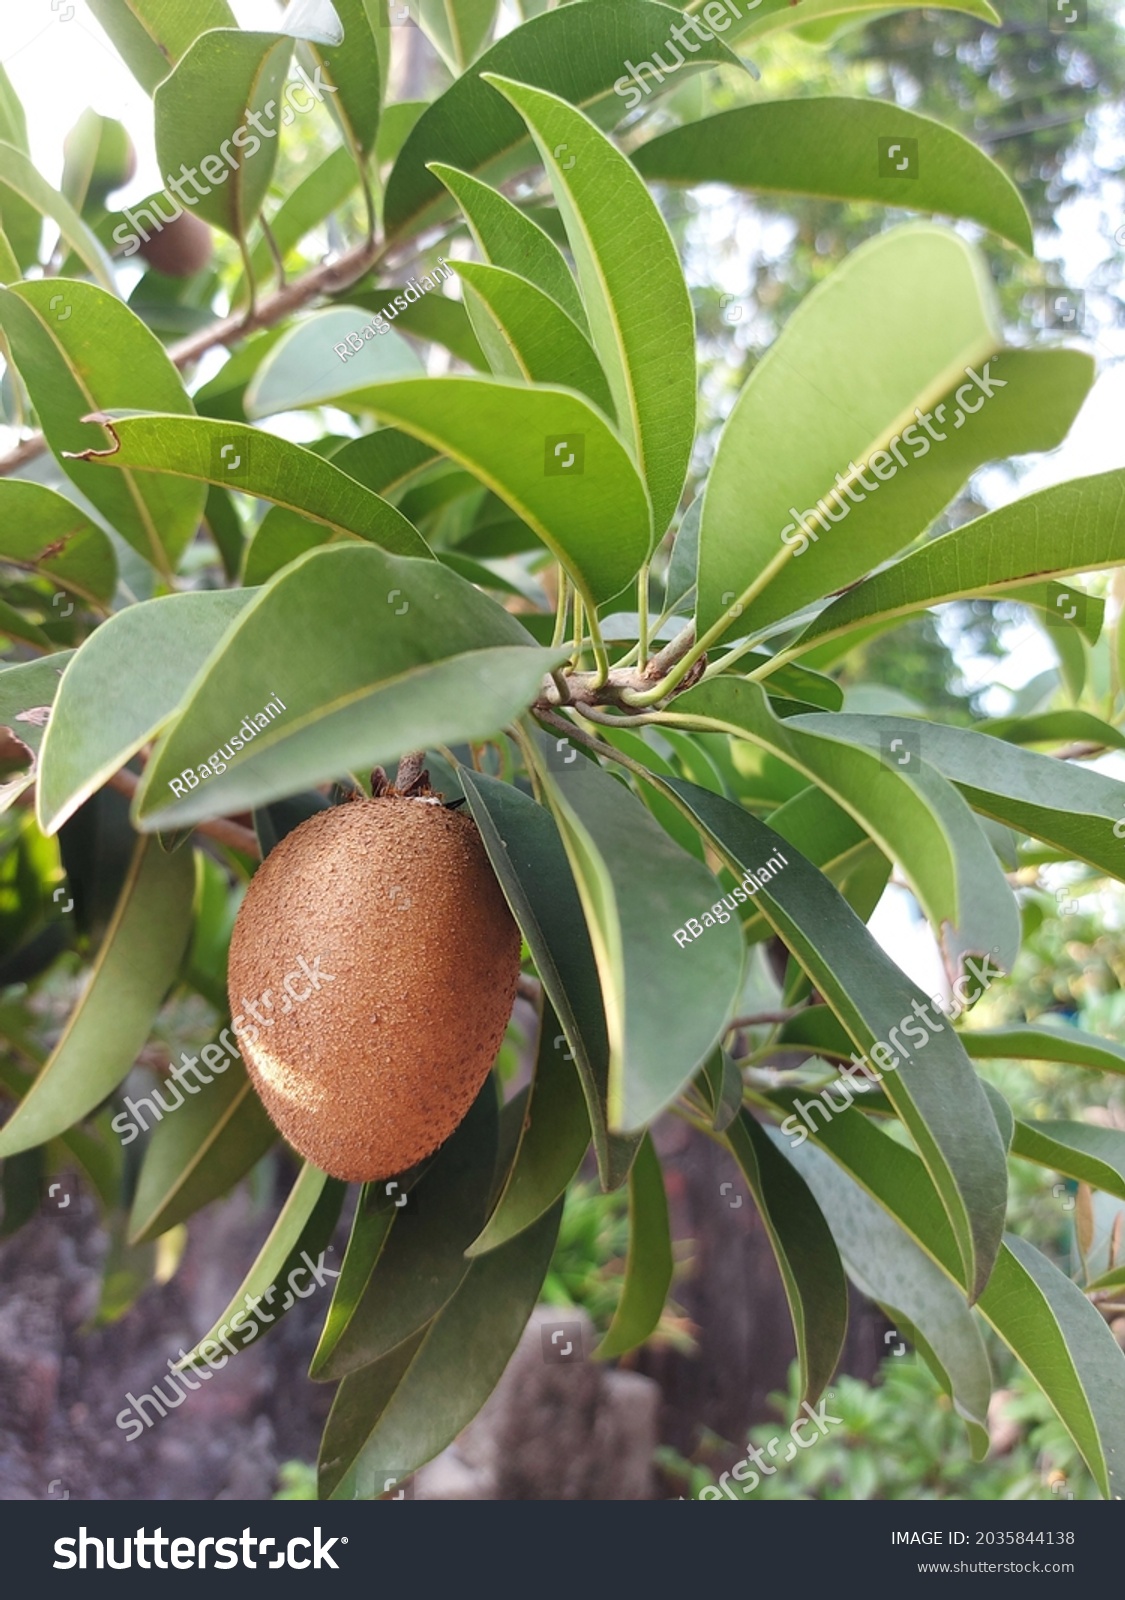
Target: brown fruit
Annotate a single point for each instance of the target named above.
(393, 902)
(182, 247)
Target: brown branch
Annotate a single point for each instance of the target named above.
(222, 829)
(329, 277)
(1079, 752)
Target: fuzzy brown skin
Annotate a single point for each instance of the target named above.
(398, 900)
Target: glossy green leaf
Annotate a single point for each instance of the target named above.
(19, 178)
(123, 685)
(526, 335)
(1055, 727)
(576, 51)
(92, 354)
(994, 553)
(1067, 1045)
(1061, 802)
(152, 35)
(667, 999)
(528, 857)
(938, 1096)
(235, 456)
(392, 1417)
(301, 1233)
(375, 1211)
(45, 533)
(835, 148)
(914, 815)
(554, 1137)
(444, 1213)
(134, 968)
(913, 309)
(506, 435)
(509, 238)
(648, 1268)
(312, 363)
(219, 113)
(888, 1267)
(803, 1247)
(200, 1149)
(724, 1088)
(641, 325)
(434, 318)
(368, 655)
(9, 266)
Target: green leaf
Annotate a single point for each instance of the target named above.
(458, 28)
(394, 1416)
(1051, 727)
(1079, 1150)
(641, 325)
(20, 222)
(1046, 1321)
(554, 1137)
(648, 1269)
(1060, 802)
(835, 148)
(9, 266)
(802, 1244)
(223, 97)
(888, 1267)
(526, 335)
(530, 862)
(28, 687)
(777, 15)
(914, 310)
(1065, 1344)
(666, 1000)
(505, 434)
(92, 355)
(152, 35)
(123, 685)
(236, 456)
(507, 237)
(45, 533)
(1067, 1045)
(445, 1211)
(20, 179)
(358, 69)
(375, 1211)
(443, 664)
(200, 1149)
(135, 966)
(994, 554)
(913, 814)
(577, 52)
(305, 368)
(303, 1228)
(724, 1088)
(939, 1099)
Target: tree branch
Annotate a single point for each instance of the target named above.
(330, 277)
